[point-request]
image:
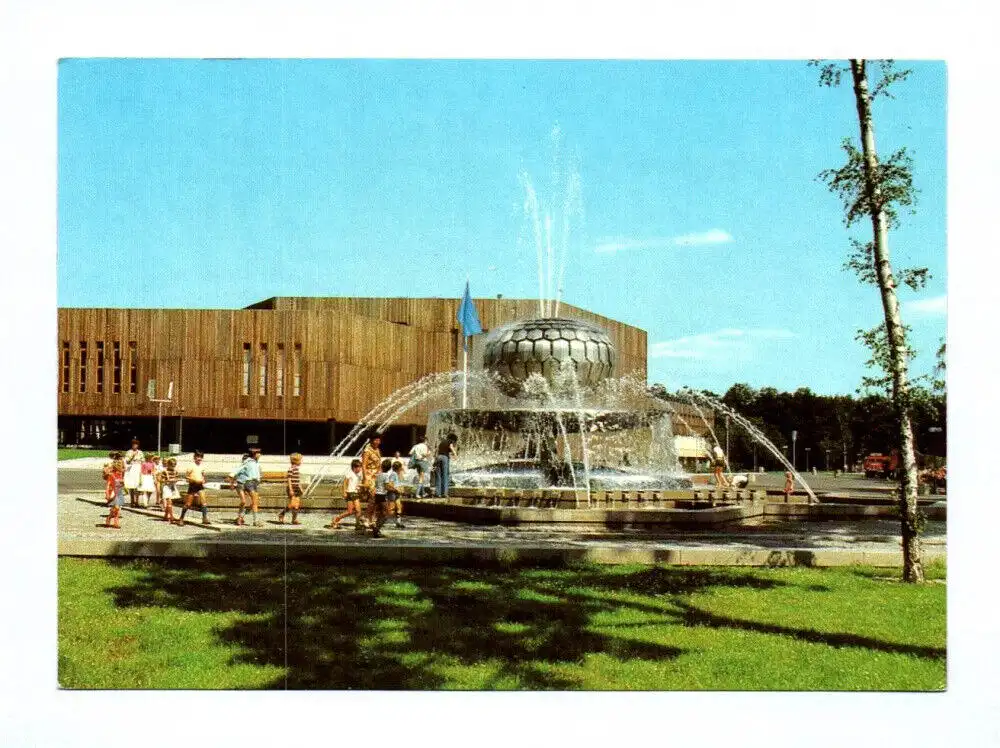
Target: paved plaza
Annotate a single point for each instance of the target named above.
(423, 540)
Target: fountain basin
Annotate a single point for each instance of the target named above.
(582, 448)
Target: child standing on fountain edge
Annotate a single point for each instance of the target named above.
(719, 464)
(789, 485)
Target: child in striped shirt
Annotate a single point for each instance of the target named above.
(168, 489)
(293, 484)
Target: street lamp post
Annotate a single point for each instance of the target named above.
(795, 435)
(807, 458)
(180, 432)
(827, 466)
(151, 395)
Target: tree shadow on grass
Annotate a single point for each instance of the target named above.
(679, 583)
(694, 616)
(380, 627)
(424, 627)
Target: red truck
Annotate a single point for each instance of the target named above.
(877, 465)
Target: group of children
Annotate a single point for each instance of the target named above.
(150, 483)
(372, 481)
(246, 480)
(383, 490)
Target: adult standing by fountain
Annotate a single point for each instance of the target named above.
(371, 463)
(133, 472)
(442, 465)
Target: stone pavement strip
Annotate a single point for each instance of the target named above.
(143, 533)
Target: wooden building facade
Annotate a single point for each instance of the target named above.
(288, 373)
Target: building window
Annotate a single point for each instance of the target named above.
(83, 366)
(279, 374)
(246, 369)
(262, 389)
(116, 381)
(133, 368)
(100, 366)
(297, 370)
(65, 366)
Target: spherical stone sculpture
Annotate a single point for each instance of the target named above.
(548, 347)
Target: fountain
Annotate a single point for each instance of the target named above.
(547, 422)
(558, 426)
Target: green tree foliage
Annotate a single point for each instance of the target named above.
(838, 429)
(938, 376)
(876, 187)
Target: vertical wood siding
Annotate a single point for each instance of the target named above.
(355, 352)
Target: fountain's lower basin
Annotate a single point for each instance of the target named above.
(541, 447)
(527, 474)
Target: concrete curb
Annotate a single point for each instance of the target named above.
(631, 517)
(389, 550)
(640, 516)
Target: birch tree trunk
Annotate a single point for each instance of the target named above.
(912, 567)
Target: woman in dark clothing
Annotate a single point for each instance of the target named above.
(442, 464)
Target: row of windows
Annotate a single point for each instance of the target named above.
(132, 364)
(100, 356)
(279, 369)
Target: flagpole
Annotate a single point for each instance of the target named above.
(465, 376)
(465, 357)
(468, 320)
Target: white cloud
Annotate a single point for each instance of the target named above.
(936, 306)
(713, 236)
(618, 244)
(725, 343)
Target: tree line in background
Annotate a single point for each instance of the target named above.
(832, 431)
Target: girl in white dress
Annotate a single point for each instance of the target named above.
(133, 471)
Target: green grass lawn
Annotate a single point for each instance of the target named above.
(66, 453)
(173, 624)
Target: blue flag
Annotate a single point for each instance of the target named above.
(468, 317)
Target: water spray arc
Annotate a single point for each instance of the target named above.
(721, 407)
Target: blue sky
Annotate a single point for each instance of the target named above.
(211, 184)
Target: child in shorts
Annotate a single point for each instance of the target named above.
(293, 486)
(385, 485)
(196, 490)
(252, 484)
(352, 482)
(397, 469)
(238, 479)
